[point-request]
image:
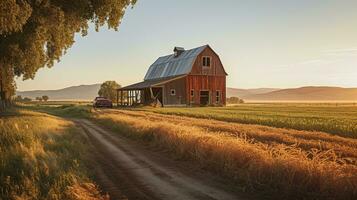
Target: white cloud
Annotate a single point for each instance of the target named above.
(341, 52)
(331, 60)
(313, 62)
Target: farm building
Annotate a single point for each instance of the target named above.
(184, 78)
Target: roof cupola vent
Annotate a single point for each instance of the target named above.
(178, 51)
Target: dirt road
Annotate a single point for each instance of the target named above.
(128, 170)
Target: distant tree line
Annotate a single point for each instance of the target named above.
(234, 100)
(43, 98)
(19, 98)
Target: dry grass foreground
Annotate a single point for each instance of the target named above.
(41, 157)
(281, 163)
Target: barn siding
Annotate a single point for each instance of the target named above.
(204, 82)
(180, 86)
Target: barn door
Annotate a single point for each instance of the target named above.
(204, 98)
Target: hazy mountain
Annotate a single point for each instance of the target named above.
(307, 94)
(242, 93)
(82, 92)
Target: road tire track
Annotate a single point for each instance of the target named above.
(125, 168)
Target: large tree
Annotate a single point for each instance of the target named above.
(108, 90)
(36, 33)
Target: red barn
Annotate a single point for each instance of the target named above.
(186, 77)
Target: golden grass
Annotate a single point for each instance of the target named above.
(42, 157)
(285, 164)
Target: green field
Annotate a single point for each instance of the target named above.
(57, 103)
(339, 119)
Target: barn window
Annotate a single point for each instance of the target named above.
(192, 93)
(218, 96)
(173, 92)
(206, 61)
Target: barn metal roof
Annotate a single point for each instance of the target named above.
(150, 83)
(167, 66)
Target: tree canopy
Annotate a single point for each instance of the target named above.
(234, 100)
(45, 97)
(36, 33)
(108, 90)
(19, 98)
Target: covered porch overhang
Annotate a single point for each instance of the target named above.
(143, 93)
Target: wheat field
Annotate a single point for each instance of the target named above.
(282, 163)
(42, 157)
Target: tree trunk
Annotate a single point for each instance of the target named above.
(4, 103)
(2, 95)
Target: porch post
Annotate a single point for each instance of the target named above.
(128, 93)
(127, 97)
(136, 96)
(117, 98)
(151, 93)
(121, 97)
(131, 97)
(142, 96)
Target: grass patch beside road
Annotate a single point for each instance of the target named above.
(67, 111)
(43, 157)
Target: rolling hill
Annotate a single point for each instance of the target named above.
(307, 94)
(81, 92)
(242, 93)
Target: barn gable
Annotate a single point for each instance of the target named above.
(216, 67)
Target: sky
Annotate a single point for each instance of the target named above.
(271, 43)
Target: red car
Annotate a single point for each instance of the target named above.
(102, 102)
